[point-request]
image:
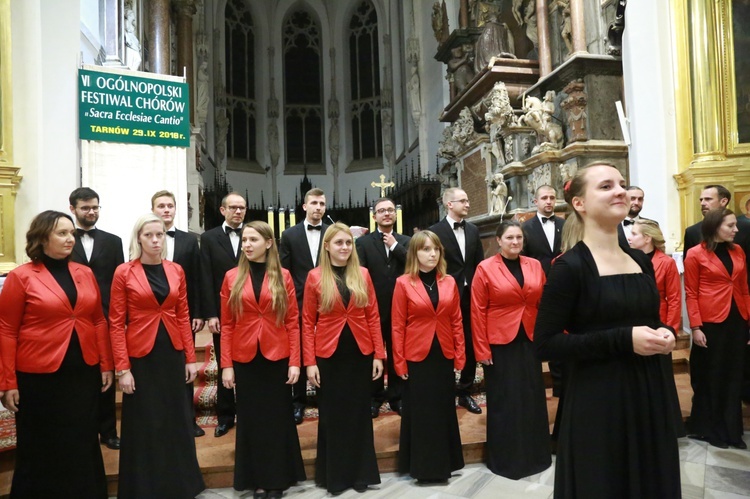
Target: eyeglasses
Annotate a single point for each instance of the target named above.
(462, 201)
(87, 209)
(236, 208)
(383, 211)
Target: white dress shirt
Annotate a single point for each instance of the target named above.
(460, 235)
(313, 241)
(88, 242)
(549, 229)
(234, 238)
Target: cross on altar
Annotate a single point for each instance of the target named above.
(383, 184)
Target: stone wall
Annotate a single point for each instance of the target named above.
(473, 182)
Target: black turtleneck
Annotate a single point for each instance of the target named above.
(60, 271)
(722, 252)
(257, 273)
(157, 279)
(340, 274)
(651, 254)
(429, 280)
(515, 268)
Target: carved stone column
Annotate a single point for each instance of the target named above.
(114, 43)
(578, 27)
(542, 28)
(158, 36)
(184, 11)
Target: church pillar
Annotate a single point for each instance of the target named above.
(184, 11)
(158, 36)
(542, 27)
(114, 42)
(577, 26)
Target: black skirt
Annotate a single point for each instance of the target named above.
(267, 451)
(517, 423)
(716, 377)
(58, 452)
(157, 453)
(430, 441)
(346, 447)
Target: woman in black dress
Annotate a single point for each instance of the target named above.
(428, 344)
(505, 295)
(718, 306)
(154, 359)
(260, 358)
(55, 358)
(343, 349)
(616, 436)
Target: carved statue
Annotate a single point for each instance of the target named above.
(461, 67)
(565, 25)
(450, 178)
(499, 115)
(448, 147)
(132, 44)
(386, 117)
(524, 12)
(538, 116)
(463, 128)
(273, 143)
(201, 99)
(440, 22)
(498, 195)
(415, 101)
(222, 126)
(494, 42)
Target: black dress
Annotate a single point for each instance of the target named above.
(58, 452)
(430, 442)
(267, 450)
(517, 424)
(346, 447)
(157, 453)
(616, 436)
(716, 373)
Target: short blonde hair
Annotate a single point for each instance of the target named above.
(651, 229)
(135, 245)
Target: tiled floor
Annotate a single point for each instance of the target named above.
(706, 472)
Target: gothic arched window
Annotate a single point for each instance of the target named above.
(303, 106)
(240, 78)
(364, 67)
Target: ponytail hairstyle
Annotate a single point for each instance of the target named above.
(273, 271)
(573, 230)
(651, 229)
(353, 275)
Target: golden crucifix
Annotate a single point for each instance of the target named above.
(383, 184)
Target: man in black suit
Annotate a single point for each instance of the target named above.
(383, 253)
(299, 250)
(625, 229)
(220, 248)
(463, 252)
(102, 252)
(182, 248)
(542, 233)
(712, 197)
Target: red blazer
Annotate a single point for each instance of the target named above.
(415, 322)
(37, 322)
(499, 304)
(709, 289)
(320, 332)
(134, 313)
(670, 290)
(257, 325)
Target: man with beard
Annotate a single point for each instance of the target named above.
(299, 250)
(220, 250)
(383, 253)
(712, 197)
(635, 195)
(102, 252)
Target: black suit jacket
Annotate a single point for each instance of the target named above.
(692, 238)
(461, 270)
(295, 256)
(105, 257)
(535, 243)
(383, 270)
(217, 257)
(187, 255)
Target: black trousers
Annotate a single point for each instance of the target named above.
(108, 413)
(470, 370)
(225, 405)
(299, 389)
(395, 383)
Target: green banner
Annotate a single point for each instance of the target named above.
(115, 107)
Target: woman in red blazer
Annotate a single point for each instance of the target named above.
(343, 349)
(505, 296)
(260, 357)
(155, 357)
(718, 306)
(55, 357)
(428, 344)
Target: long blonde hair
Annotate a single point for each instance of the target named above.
(418, 241)
(273, 270)
(354, 280)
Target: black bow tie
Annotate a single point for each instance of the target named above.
(459, 225)
(229, 230)
(627, 222)
(547, 219)
(315, 227)
(81, 232)
(170, 233)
